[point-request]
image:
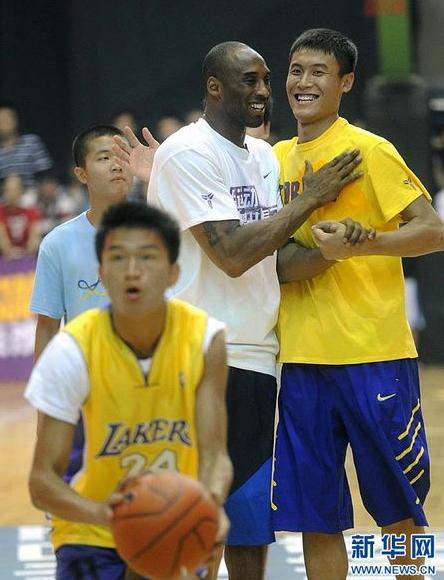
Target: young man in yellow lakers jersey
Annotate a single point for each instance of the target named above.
(148, 377)
(349, 362)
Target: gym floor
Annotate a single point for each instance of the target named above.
(25, 551)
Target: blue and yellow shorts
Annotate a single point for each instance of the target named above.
(376, 409)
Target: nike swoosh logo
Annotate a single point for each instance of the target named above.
(385, 397)
(266, 175)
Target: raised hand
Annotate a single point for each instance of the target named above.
(131, 154)
(325, 184)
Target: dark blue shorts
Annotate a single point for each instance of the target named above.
(251, 403)
(78, 562)
(374, 407)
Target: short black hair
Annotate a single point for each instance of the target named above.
(138, 215)
(8, 104)
(329, 42)
(81, 142)
(218, 60)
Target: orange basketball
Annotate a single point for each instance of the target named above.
(166, 524)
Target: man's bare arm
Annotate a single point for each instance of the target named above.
(47, 327)
(49, 492)
(423, 233)
(235, 248)
(215, 469)
(298, 263)
(295, 262)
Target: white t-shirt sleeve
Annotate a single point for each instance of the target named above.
(191, 187)
(213, 327)
(59, 382)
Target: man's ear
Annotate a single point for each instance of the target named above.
(80, 173)
(347, 82)
(214, 87)
(100, 271)
(174, 274)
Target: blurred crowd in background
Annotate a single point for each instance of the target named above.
(35, 196)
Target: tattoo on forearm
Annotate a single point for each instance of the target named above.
(216, 231)
(212, 234)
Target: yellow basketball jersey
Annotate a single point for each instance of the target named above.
(355, 311)
(133, 422)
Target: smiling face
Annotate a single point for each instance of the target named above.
(104, 178)
(136, 270)
(245, 90)
(314, 89)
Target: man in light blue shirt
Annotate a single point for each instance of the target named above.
(67, 280)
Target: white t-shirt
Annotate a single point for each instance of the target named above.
(199, 176)
(59, 383)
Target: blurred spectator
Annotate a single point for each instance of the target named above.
(437, 143)
(438, 202)
(424, 278)
(438, 172)
(54, 202)
(125, 118)
(359, 122)
(415, 315)
(193, 116)
(20, 232)
(74, 188)
(23, 155)
(166, 126)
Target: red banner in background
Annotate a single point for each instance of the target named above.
(17, 324)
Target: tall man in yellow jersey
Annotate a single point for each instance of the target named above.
(148, 377)
(349, 362)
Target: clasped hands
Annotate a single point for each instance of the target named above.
(341, 240)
